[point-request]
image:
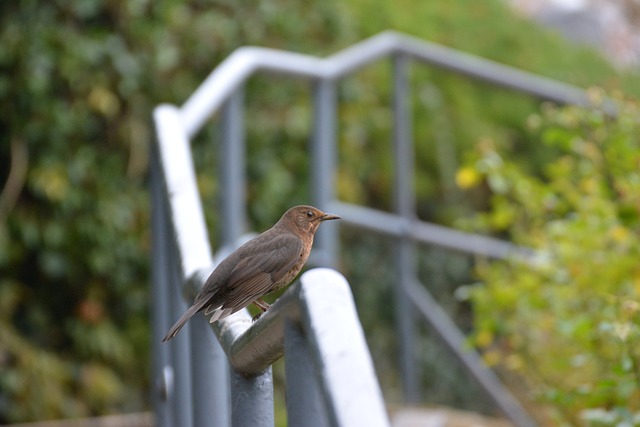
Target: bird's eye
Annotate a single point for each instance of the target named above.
(309, 214)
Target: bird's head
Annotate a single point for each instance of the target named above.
(305, 219)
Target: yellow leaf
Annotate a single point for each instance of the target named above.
(52, 181)
(104, 101)
(619, 234)
(514, 362)
(467, 177)
(484, 338)
(492, 357)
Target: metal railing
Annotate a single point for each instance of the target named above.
(191, 371)
(329, 371)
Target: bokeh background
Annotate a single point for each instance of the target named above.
(78, 83)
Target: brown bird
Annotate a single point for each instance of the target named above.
(264, 264)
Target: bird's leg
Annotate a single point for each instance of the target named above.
(262, 305)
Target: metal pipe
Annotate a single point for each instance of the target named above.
(323, 156)
(180, 348)
(470, 360)
(232, 169)
(209, 369)
(322, 305)
(210, 377)
(253, 354)
(161, 385)
(404, 206)
(184, 205)
(209, 97)
(392, 225)
(347, 377)
(305, 402)
(251, 347)
(187, 249)
(252, 400)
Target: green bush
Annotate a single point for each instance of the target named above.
(78, 83)
(567, 320)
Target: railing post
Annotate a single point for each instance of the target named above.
(404, 205)
(305, 403)
(193, 352)
(323, 157)
(232, 169)
(252, 400)
(180, 349)
(251, 396)
(161, 385)
(210, 373)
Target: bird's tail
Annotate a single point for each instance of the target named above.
(196, 307)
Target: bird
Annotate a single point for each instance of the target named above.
(264, 264)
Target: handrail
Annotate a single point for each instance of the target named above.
(251, 348)
(429, 233)
(246, 61)
(322, 306)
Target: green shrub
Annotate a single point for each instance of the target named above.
(78, 83)
(568, 320)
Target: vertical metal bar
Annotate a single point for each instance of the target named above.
(177, 371)
(305, 404)
(323, 157)
(232, 169)
(161, 386)
(252, 400)
(192, 367)
(210, 377)
(404, 205)
(180, 349)
(251, 397)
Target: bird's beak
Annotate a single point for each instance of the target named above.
(329, 216)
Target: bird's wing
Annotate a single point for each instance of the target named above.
(260, 268)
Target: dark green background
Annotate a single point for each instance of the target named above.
(78, 82)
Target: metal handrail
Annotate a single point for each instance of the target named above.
(322, 307)
(299, 320)
(246, 61)
(222, 92)
(425, 232)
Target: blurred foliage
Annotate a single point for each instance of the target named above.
(78, 82)
(568, 321)
(451, 115)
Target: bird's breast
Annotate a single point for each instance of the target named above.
(293, 272)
